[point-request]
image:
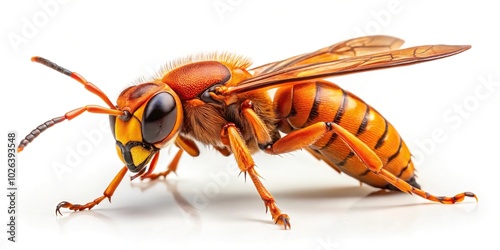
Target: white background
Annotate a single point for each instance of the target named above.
(207, 205)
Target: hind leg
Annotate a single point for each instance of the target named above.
(364, 152)
(295, 140)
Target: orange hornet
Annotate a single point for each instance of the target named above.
(215, 100)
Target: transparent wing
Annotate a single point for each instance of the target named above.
(348, 65)
(350, 48)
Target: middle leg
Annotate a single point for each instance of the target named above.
(231, 137)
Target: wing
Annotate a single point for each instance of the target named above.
(345, 66)
(350, 48)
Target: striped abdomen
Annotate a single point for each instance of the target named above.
(321, 101)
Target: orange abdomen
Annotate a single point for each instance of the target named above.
(321, 101)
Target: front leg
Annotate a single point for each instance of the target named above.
(231, 137)
(107, 194)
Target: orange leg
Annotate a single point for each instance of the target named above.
(299, 139)
(232, 138)
(313, 132)
(369, 158)
(185, 145)
(172, 167)
(258, 126)
(107, 194)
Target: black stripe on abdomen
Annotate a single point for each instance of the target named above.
(338, 117)
(313, 113)
(364, 123)
(393, 156)
(382, 138)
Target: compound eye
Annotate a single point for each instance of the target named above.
(159, 118)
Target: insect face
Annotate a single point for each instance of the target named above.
(153, 116)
